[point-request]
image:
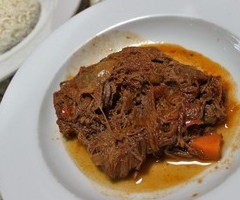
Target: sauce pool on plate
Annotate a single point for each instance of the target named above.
(158, 174)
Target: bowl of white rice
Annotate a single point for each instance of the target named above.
(23, 25)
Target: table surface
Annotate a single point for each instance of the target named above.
(3, 86)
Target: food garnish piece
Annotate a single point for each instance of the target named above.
(209, 146)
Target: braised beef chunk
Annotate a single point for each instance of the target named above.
(135, 103)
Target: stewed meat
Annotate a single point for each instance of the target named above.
(136, 103)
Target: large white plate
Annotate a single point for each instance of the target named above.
(33, 164)
(54, 13)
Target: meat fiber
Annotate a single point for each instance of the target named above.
(136, 103)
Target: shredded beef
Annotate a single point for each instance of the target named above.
(135, 103)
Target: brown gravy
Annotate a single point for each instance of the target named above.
(158, 175)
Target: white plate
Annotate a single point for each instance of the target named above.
(34, 165)
(54, 13)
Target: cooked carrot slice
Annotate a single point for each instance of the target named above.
(209, 145)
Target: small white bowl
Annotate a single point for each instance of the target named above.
(11, 60)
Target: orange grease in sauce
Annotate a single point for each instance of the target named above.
(158, 175)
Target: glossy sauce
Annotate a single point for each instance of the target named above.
(155, 174)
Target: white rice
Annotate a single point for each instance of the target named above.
(17, 20)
